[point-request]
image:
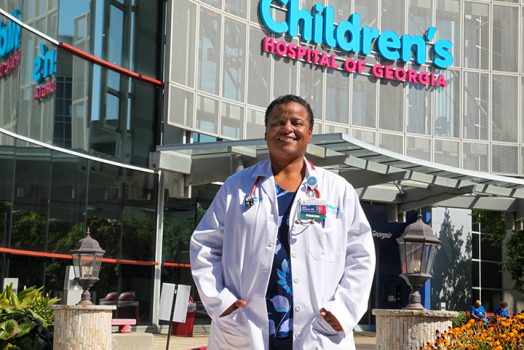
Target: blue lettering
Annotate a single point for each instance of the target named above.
(329, 24)
(349, 29)
(295, 16)
(388, 44)
(10, 35)
(368, 35)
(318, 26)
(408, 42)
(44, 65)
(264, 8)
(37, 67)
(443, 58)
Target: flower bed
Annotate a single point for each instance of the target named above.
(503, 334)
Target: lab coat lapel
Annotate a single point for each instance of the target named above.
(267, 187)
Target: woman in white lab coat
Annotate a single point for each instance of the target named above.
(329, 256)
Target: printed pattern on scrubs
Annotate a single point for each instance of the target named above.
(279, 296)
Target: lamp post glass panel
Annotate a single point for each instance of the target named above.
(418, 248)
(87, 258)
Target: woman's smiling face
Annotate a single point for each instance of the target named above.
(288, 131)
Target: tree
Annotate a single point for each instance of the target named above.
(493, 224)
(452, 270)
(514, 260)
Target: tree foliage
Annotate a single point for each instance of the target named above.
(451, 274)
(514, 261)
(493, 233)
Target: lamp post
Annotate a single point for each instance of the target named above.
(87, 258)
(418, 248)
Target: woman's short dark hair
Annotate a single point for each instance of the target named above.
(288, 99)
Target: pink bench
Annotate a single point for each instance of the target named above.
(124, 324)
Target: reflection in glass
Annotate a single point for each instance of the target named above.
(139, 215)
(30, 207)
(476, 106)
(209, 50)
(476, 35)
(447, 105)
(234, 60)
(337, 96)
(418, 118)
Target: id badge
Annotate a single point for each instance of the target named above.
(312, 208)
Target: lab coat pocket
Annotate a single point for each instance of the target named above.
(326, 333)
(322, 242)
(231, 331)
(320, 325)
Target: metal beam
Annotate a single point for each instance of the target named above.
(379, 194)
(418, 198)
(364, 178)
(480, 203)
(170, 161)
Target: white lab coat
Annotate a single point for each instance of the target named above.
(232, 251)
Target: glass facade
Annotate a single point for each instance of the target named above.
(475, 122)
(47, 197)
(486, 262)
(75, 137)
(91, 109)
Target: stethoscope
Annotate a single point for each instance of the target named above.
(311, 188)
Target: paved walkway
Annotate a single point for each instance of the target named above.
(364, 341)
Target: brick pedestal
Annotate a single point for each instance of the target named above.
(79, 327)
(409, 329)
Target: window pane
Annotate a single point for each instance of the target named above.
(476, 35)
(67, 202)
(337, 96)
(505, 37)
(504, 109)
(207, 112)
(31, 194)
(234, 60)
(232, 117)
(391, 107)
(419, 109)
(112, 110)
(476, 106)
(116, 35)
(183, 43)
(364, 103)
(285, 77)
(491, 274)
(476, 157)
(447, 106)
(393, 16)
(448, 24)
(255, 124)
(259, 69)
(209, 50)
(311, 88)
(504, 159)
(447, 152)
(237, 7)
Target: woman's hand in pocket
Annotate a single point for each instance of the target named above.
(331, 319)
(233, 307)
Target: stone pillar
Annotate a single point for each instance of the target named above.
(409, 329)
(82, 327)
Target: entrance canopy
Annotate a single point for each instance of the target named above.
(402, 182)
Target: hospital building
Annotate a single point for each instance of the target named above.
(126, 116)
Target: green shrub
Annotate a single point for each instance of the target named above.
(26, 320)
(461, 319)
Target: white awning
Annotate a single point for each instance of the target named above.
(379, 175)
